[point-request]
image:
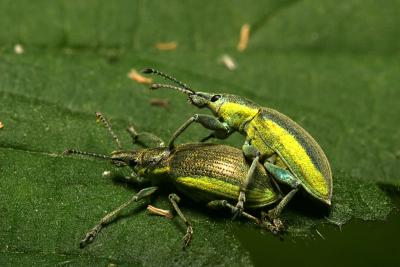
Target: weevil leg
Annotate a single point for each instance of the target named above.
(249, 151)
(90, 236)
(132, 178)
(220, 129)
(136, 137)
(135, 179)
(284, 176)
(174, 199)
(216, 134)
(275, 213)
(272, 159)
(208, 137)
(225, 204)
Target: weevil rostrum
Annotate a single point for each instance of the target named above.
(207, 173)
(287, 151)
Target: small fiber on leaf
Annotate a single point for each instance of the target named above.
(160, 212)
(134, 75)
(228, 62)
(158, 102)
(244, 37)
(19, 49)
(167, 46)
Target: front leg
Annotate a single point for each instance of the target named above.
(89, 237)
(209, 122)
(137, 137)
(133, 178)
(221, 130)
(216, 134)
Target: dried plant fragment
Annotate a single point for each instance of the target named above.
(19, 49)
(167, 46)
(244, 37)
(136, 76)
(228, 62)
(159, 102)
(160, 212)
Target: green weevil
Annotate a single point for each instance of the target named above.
(287, 151)
(206, 173)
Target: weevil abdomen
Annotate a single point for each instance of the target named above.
(206, 172)
(271, 131)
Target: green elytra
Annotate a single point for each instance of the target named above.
(286, 150)
(207, 173)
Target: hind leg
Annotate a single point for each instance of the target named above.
(215, 204)
(174, 199)
(284, 176)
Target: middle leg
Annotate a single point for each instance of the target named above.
(250, 152)
(225, 204)
(174, 199)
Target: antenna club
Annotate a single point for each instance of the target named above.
(166, 76)
(105, 122)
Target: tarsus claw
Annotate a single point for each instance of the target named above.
(188, 237)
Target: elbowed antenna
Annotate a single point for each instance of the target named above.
(155, 86)
(166, 76)
(89, 154)
(108, 126)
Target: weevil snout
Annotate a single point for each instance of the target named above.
(124, 158)
(211, 101)
(198, 100)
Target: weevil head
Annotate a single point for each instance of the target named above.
(234, 110)
(144, 162)
(231, 109)
(125, 158)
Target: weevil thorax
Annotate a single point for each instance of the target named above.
(234, 110)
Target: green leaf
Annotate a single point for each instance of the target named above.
(319, 62)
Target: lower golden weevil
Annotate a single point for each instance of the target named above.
(207, 173)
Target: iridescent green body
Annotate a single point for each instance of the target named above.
(271, 132)
(204, 172)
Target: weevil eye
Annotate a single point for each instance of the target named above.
(215, 98)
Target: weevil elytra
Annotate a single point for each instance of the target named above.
(287, 151)
(206, 173)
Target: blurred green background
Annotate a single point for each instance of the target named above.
(331, 66)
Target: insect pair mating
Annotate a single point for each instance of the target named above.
(204, 172)
(276, 151)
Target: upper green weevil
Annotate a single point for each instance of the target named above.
(207, 173)
(286, 150)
